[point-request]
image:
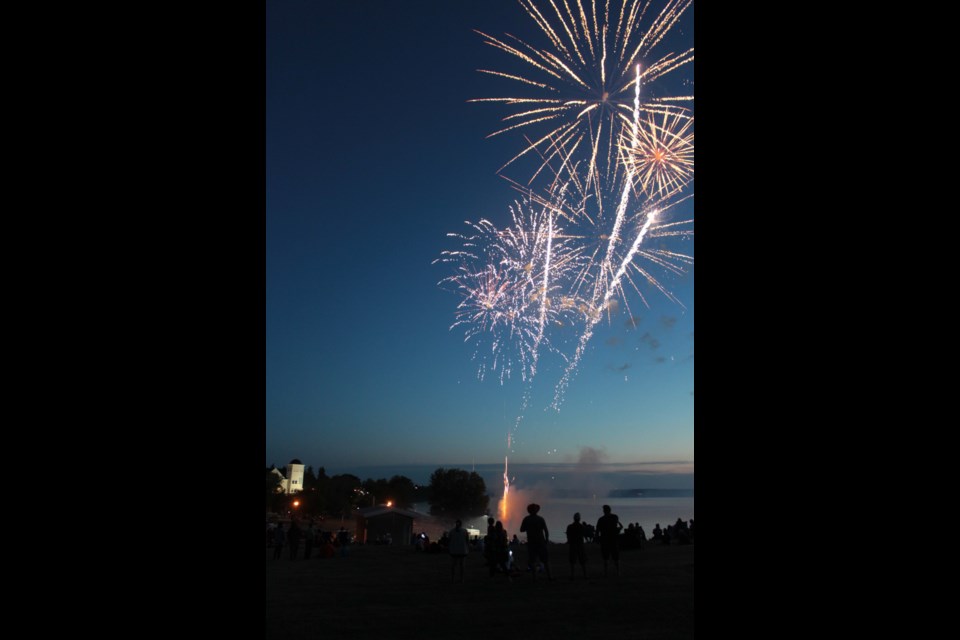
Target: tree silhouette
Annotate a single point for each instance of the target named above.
(343, 494)
(274, 493)
(402, 491)
(457, 493)
(340, 495)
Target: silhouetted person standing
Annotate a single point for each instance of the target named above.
(608, 528)
(458, 549)
(498, 550)
(488, 545)
(537, 537)
(514, 551)
(578, 552)
(343, 541)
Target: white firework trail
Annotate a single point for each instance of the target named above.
(511, 283)
(613, 285)
(506, 484)
(560, 263)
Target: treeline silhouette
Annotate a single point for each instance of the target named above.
(450, 492)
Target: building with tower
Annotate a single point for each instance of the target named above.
(293, 482)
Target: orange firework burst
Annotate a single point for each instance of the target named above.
(612, 159)
(584, 77)
(662, 158)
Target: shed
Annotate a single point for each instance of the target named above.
(373, 523)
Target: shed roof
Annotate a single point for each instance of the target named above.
(380, 510)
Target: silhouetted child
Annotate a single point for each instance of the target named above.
(326, 549)
(343, 541)
(499, 552)
(577, 548)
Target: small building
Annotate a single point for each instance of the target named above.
(373, 523)
(294, 482)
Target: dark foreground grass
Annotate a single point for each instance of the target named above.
(395, 592)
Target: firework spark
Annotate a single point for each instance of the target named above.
(584, 76)
(565, 260)
(662, 158)
(511, 282)
(611, 285)
(601, 236)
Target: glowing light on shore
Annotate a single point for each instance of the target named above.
(506, 488)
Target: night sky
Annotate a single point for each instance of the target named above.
(374, 155)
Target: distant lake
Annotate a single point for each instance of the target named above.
(558, 512)
(599, 479)
(636, 493)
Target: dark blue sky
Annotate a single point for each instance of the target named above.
(373, 156)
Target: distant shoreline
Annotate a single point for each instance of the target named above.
(660, 476)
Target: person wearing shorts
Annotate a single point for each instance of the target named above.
(537, 538)
(608, 528)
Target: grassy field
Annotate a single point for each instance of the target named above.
(396, 592)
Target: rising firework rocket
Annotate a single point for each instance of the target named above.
(510, 278)
(506, 489)
(506, 483)
(606, 267)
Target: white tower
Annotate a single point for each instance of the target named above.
(294, 476)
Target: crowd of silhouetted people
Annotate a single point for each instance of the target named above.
(678, 533)
(323, 544)
(500, 552)
(634, 537)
